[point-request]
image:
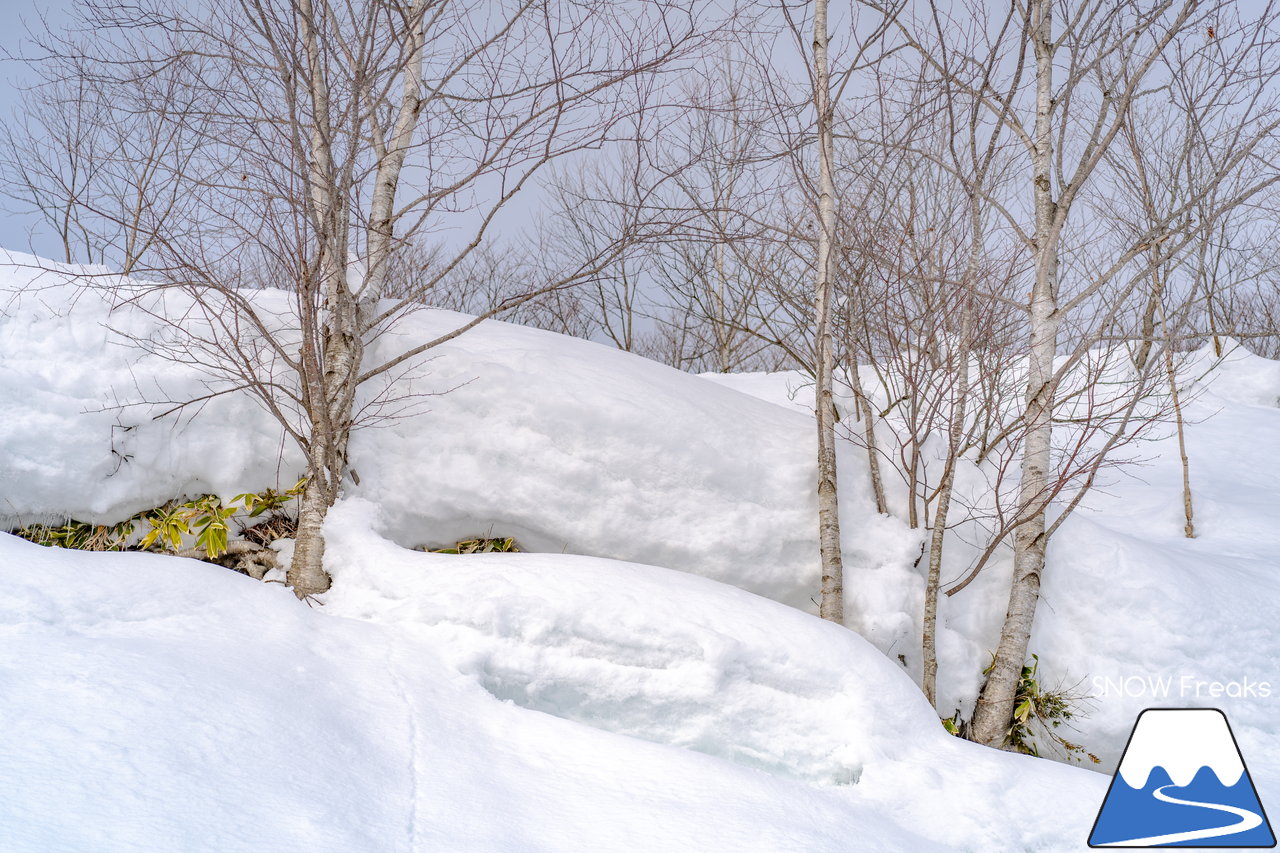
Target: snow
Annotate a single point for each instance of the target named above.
(168, 704)
(77, 407)
(578, 637)
(565, 444)
(648, 679)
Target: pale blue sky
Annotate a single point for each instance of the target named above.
(19, 227)
(15, 16)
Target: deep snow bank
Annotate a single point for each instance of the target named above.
(155, 703)
(1133, 612)
(574, 447)
(644, 651)
(79, 405)
(568, 445)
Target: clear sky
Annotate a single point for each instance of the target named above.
(18, 226)
(15, 18)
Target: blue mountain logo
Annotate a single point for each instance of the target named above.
(1182, 783)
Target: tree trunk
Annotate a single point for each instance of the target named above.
(868, 417)
(306, 573)
(1155, 304)
(929, 641)
(994, 710)
(832, 604)
(955, 435)
(1189, 528)
(720, 326)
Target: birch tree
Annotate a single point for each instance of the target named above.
(331, 136)
(1121, 54)
(812, 148)
(1076, 70)
(832, 604)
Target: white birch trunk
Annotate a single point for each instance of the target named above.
(1189, 528)
(306, 572)
(832, 604)
(868, 418)
(335, 380)
(994, 709)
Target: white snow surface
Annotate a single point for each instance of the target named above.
(551, 701)
(568, 445)
(154, 703)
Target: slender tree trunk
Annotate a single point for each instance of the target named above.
(391, 153)
(1154, 306)
(1189, 528)
(334, 376)
(913, 479)
(955, 436)
(1148, 331)
(832, 604)
(720, 326)
(929, 632)
(868, 417)
(994, 709)
(1213, 330)
(334, 352)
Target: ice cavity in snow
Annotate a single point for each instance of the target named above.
(642, 651)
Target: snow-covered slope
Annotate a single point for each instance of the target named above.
(1148, 618)
(568, 445)
(1135, 613)
(577, 449)
(154, 703)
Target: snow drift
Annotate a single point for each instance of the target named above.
(158, 703)
(577, 449)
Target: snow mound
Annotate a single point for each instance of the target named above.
(81, 406)
(153, 703)
(568, 445)
(643, 651)
(683, 661)
(172, 705)
(790, 389)
(1238, 376)
(573, 447)
(1141, 616)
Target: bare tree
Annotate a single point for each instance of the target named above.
(809, 137)
(832, 604)
(715, 274)
(59, 118)
(1084, 67)
(106, 165)
(329, 135)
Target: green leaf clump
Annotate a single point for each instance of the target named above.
(1040, 710)
(480, 546)
(206, 517)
